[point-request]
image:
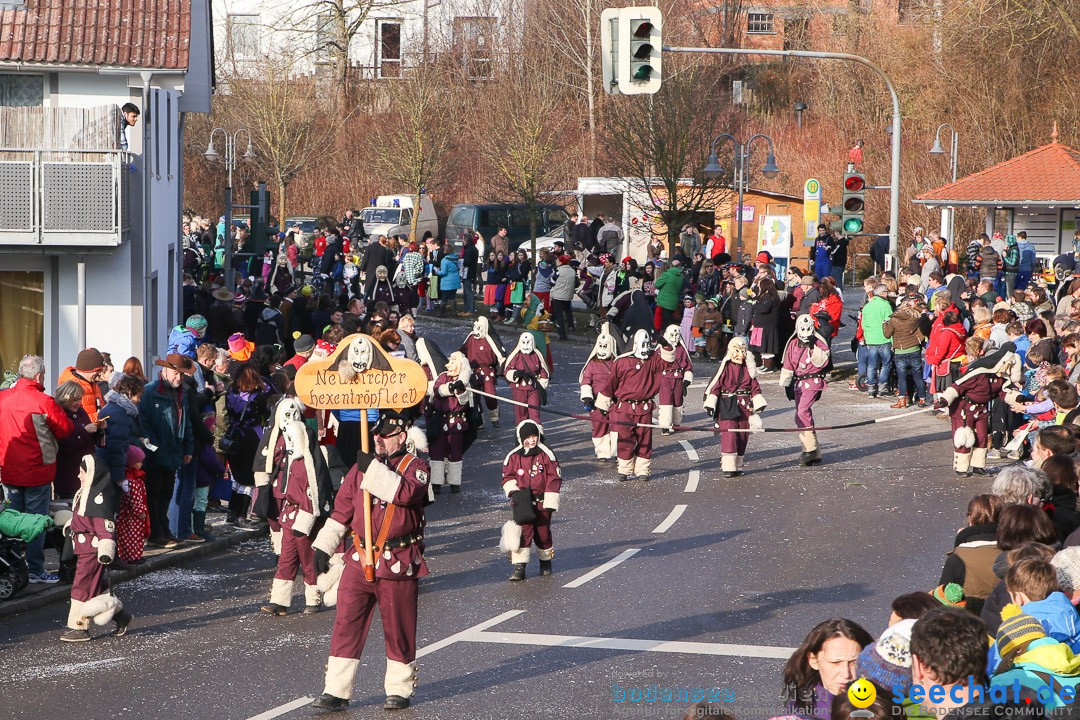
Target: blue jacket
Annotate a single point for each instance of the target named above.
(1058, 618)
(121, 430)
(167, 424)
(1027, 256)
(449, 273)
(183, 341)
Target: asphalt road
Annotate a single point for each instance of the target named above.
(714, 584)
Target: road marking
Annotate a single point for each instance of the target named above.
(597, 572)
(692, 481)
(456, 637)
(671, 519)
(608, 643)
(282, 709)
(690, 451)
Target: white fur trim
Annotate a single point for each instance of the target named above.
(544, 382)
(543, 554)
(727, 462)
(551, 501)
(688, 376)
(381, 481)
(281, 592)
(77, 617)
(510, 541)
(757, 403)
(950, 395)
(106, 549)
(786, 377)
(418, 439)
(586, 392)
(666, 416)
(978, 457)
(808, 440)
(330, 536)
(275, 541)
(755, 423)
(510, 486)
(262, 479)
(304, 522)
(642, 467)
(603, 402)
(312, 596)
(340, 673)
(400, 679)
(710, 404)
(819, 356)
(329, 581)
(521, 555)
(102, 608)
(961, 462)
(626, 467)
(453, 473)
(963, 437)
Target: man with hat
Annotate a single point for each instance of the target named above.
(398, 480)
(167, 424)
(89, 364)
(303, 345)
(221, 317)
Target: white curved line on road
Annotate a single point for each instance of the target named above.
(692, 481)
(671, 519)
(690, 451)
(597, 572)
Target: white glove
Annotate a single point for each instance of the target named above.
(755, 423)
(126, 486)
(710, 403)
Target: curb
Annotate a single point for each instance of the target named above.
(62, 591)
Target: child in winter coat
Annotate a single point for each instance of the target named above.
(686, 327)
(133, 521)
(209, 473)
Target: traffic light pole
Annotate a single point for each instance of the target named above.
(894, 183)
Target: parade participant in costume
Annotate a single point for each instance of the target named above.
(92, 532)
(531, 479)
(296, 491)
(802, 374)
(594, 376)
(733, 397)
(991, 377)
(528, 373)
(630, 311)
(538, 322)
(398, 480)
(448, 422)
(383, 290)
(628, 398)
(485, 354)
(676, 374)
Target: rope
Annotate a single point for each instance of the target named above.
(685, 428)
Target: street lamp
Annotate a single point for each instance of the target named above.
(212, 155)
(800, 107)
(740, 177)
(947, 214)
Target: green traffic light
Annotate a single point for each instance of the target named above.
(853, 225)
(644, 72)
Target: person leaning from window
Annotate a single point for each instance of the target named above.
(129, 115)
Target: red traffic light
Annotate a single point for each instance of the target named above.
(643, 30)
(855, 183)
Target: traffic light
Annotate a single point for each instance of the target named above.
(853, 213)
(631, 42)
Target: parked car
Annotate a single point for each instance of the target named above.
(307, 225)
(487, 218)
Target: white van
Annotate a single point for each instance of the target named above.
(392, 215)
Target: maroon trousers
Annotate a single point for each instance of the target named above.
(481, 381)
(356, 608)
(539, 530)
(89, 580)
(296, 554)
(671, 391)
(632, 441)
(526, 394)
(448, 446)
(600, 425)
(975, 416)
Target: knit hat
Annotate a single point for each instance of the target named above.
(89, 360)
(237, 342)
(240, 298)
(196, 324)
(1016, 631)
(303, 343)
(135, 455)
(951, 595)
(307, 291)
(887, 662)
(764, 257)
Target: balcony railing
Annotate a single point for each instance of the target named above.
(64, 198)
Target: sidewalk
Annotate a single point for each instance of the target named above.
(36, 595)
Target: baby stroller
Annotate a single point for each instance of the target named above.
(14, 575)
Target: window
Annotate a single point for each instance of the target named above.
(556, 218)
(493, 217)
(388, 47)
(22, 316)
(474, 39)
(22, 90)
(245, 36)
(759, 23)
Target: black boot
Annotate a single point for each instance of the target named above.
(436, 489)
(623, 478)
(395, 702)
(198, 521)
(122, 620)
(274, 609)
(326, 701)
(545, 567)
(519, 572)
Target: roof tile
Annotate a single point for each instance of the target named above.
(1048, 174)
(125, 33)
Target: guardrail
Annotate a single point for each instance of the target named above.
(71, 198)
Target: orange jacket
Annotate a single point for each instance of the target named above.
(92, 400)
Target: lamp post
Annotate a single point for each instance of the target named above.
(947, 213)
(230, 163)
(740, 176)
(800, 107)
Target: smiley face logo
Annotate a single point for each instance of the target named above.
(862, 693)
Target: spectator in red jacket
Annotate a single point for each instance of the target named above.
(31, 423)
(946, 348)
(827, 311)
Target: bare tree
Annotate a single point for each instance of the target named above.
(661, 144)
(281, 112)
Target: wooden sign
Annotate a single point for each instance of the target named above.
(360, 375)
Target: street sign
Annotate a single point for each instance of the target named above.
(811, 208)
(774, 236)
(360, 375)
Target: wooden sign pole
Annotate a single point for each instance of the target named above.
(369, 551)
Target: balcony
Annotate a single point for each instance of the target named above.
(64, 198)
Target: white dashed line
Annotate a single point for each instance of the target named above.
(597, 572)
(671, 519)
(692, 481)
(282, 709)
(690, 451)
